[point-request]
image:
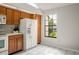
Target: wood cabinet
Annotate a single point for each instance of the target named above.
(26, 15)
(31, 16)
(19, 42)
(11, 44)
(13, 17)
(39, 29)
(15, 43)
(38, 18)
(10, 18)
(2, 10)
(16, 17)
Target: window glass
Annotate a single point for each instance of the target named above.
(50, 26)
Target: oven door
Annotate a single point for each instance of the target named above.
(3, 44)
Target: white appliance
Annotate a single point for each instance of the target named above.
(3, 43)
(29, 28)
(2, 19)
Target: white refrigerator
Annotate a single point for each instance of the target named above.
(29, 29)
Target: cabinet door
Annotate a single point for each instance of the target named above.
(19, 40)
(9, 16)
(11, 44)
(16, 17)
(38, 18)
(2, 10)
(26, 15)
(39, 29)
(23, 15)
(31, 16)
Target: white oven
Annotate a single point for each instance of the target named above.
(3, 43)
(2, 19)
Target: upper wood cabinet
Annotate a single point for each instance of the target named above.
(23, 15)
(16, 17)
(10, 17)
(31, 16)
(2, 10)
(13, 17)
(26, 15)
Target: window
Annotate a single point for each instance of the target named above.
(50, 26)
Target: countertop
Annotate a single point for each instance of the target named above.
(8, 34)
(13, 34)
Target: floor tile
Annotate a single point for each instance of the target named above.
(45, 50)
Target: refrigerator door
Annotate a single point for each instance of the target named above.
(34, 33)
(23, 30)
(28, 34)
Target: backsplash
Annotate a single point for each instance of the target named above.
(6, 28)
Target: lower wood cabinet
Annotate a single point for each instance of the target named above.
(11, 45)
(15, 43)
(19, 42)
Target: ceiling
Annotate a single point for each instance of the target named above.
(24, 7)
(47, 6)
(42, 6)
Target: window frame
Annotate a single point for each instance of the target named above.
(45, 35)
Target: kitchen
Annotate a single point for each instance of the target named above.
(39, 29)
(12, 27)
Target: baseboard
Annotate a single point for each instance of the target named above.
(61, 47)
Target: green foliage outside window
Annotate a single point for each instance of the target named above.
(51, 30)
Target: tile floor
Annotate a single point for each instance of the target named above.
(45, 50)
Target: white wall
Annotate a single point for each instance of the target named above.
(67, 27)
